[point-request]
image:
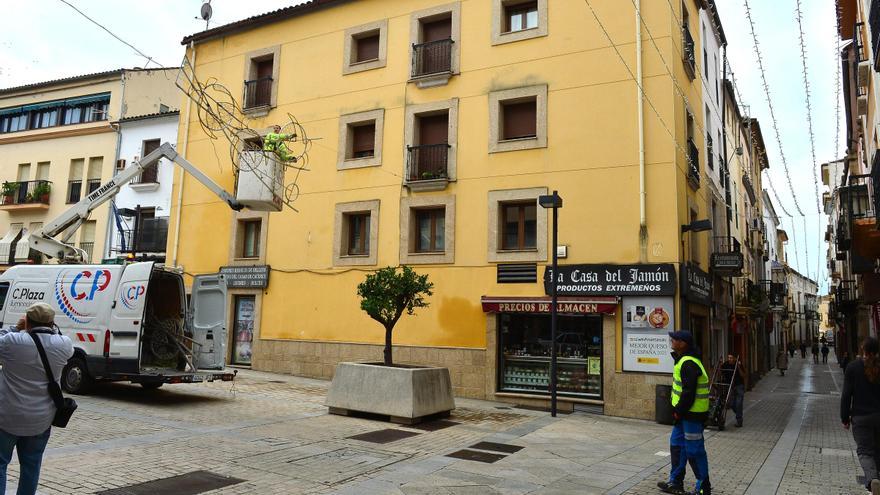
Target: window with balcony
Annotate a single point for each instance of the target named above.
(360, 140)
(518, 227)
(693, 155)
(356, 233)
(431, 136)
(688, 53)
(435, 35)
(518, 119)
(365, 47)
(150, 174)
(87, 238)
(517, 20)
(74, 182)
(261, 80)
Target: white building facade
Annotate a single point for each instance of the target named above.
(139, 213)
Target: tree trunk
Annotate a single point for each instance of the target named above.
(388, 346)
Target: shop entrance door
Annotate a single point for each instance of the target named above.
(243, 329)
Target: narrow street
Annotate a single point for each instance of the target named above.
(272, 433)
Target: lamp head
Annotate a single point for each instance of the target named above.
(550, 200)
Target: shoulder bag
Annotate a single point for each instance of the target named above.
(64, 406)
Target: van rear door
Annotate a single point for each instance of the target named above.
(127, 316)
(208, 321)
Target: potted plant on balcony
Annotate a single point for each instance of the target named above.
(41, 192)
(405, 393)
(9, 190)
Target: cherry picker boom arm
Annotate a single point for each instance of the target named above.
(43, 240)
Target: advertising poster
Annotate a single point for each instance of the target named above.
(646, 324)
(244, 329)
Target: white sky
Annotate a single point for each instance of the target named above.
(65, 44)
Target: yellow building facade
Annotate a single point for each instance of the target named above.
(58, 143)
(437, 161)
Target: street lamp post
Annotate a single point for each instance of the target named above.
(553, 201)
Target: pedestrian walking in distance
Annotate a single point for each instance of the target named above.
(732, 372)
(825, 351)
(860, 407)
(26, 408)
(815, 352)
(690, 410)
(791, 349)
(803, 350)
(782, 362)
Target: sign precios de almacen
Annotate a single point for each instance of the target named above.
(612, 280)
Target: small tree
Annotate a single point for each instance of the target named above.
(386, 294)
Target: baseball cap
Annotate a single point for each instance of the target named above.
(41, 313)
(683, 336)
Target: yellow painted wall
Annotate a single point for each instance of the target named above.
(591, 158)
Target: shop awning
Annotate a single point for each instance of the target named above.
(541, 304)
(7, 242)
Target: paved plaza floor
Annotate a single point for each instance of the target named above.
(271, 433)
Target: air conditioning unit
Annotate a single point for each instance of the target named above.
(260, 181)
(120, 164)
(864, 72)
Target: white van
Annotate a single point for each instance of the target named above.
(127, 322)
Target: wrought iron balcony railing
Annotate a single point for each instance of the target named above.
(151, 236)
(30, 192)
(258, 92)
(433, 57)
(694, 164)
(688, 51)
(427, 162)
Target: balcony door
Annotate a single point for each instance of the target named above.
(432, 146)
(434, 52)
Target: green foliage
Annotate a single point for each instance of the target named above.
(391, 291)
(41, 189)
(9, 188)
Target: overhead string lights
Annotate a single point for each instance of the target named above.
(221, 117)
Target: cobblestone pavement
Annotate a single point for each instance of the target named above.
(273, 433)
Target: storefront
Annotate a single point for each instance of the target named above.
(696, 299)
(524, 344)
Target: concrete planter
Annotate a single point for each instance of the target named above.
(405, 393)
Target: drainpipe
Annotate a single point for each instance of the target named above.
(108, 235)
(181, 174)
(729, 207)
(643, 225)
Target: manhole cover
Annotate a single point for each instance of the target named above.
(434, 425)
(384, 436)
(497, 447)
(473, 455)
(184, 484)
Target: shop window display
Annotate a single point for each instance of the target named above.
(525, 354)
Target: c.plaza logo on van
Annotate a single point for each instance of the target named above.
(131, 295)
(84, 286)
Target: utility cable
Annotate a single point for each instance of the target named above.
(800, 23)
(111, 33)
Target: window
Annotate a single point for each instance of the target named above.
(261, 80)
(518, 222)
(365, 47)
(94, 174)
(250, 239)
(521, 16)
(435, 36)
(427, 234)
(87, 238)
(90, 108)
(356, 233)
(74, 182)
(517, 226)
(709, 155)
(518, 119)
(363, 140)
(150, 175)
(360, 140)
(431, 229)
(516, 20)
(430, 136)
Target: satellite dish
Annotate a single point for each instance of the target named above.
(206, 11)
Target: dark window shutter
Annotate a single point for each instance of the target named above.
(520, 119)
(363, 139)
(437, 30)
(434, 129)
(264, 68)
(367, 48)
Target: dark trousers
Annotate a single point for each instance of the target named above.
(866, 432)
(824, 358)
(736, 401)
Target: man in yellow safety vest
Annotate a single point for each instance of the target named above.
(690, 405)
(274, 143)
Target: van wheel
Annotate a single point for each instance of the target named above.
(75, 378)
(151, 386)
